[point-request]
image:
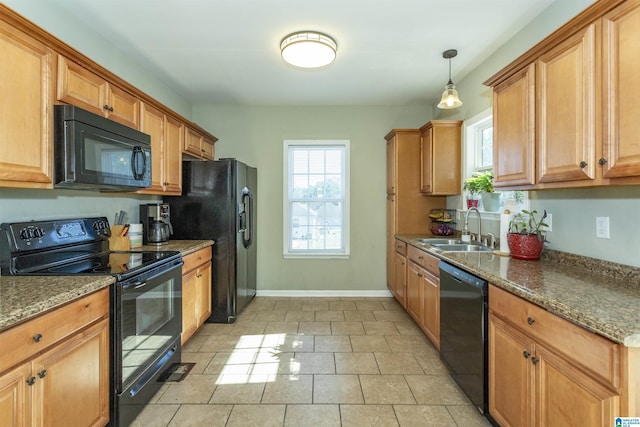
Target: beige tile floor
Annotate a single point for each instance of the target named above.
(313, 362)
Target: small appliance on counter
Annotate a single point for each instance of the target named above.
(156, 223)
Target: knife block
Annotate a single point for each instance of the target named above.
(118, 242)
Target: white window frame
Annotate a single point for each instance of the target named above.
(344, 252)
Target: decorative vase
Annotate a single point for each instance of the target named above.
(524, 246)
(491, 202)
(472, 203)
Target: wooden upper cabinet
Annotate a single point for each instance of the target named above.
(166, 151)
(440, 148)
(79, 86)
(391, 165)
(197, 145)
(26, 122)
(566, 116)
(621, 52)
(514, 130)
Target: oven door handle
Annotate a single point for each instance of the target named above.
(135, 285)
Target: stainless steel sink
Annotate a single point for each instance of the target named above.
(463, 247)
(440, 241)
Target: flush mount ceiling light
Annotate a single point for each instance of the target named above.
(450, 97)
(308, 49)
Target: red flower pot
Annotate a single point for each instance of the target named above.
(524, 246)
(472, 203)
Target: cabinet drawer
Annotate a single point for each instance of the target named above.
(401, 247)
(195, 259)
(34, 336)
(595, 353)
(425, 260)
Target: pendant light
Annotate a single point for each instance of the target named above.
(450, 97)
(308, 49)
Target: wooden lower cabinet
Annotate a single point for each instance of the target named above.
(423, 292)
(536, 379)
(400, 281)
(196, 292)
(68, 383)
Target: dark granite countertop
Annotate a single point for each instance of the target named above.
(600, 296)
(24, 297)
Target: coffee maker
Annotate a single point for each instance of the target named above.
(156, 223)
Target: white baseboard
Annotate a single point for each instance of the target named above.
(322, 293)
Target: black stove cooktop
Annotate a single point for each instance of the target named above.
(71, 246)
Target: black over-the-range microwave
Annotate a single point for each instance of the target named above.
(92, 152)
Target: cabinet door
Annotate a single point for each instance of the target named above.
(414, 291)
(192, 142)
(391, 227)
(123, 107)
(79, 86)
(426, 153)
(391, 165)
(565, 396)
(174, 138)
(203, 293)
(208, 149)
(16, 397)
(621, 50)
(567, 123)
(510, 375)
(431, 304)
(189, 321)
(153, 124)
(26, 121)
(400, 281)
(72, 380)
(514, 130)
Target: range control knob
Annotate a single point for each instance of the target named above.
(24, 234)
(38, 232)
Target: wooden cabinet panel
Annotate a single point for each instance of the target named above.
(79, 86)
(400, 281)
(196, 291)
(391, 227)
(208, 149)
(414, 291)
(621, 50)
(72, 381)
(26, 122)
(16, 397)
(174, 139)
(514, 130)
(558, 370)
(391, 165)
(566, 119)
(431, 308)
(425, 260)
(440, 157)
(510, 375)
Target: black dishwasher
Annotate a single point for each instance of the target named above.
(463, 331)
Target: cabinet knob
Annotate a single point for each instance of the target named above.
(420, 257)
(531, 320)
(37, 337)
(31, 381)
(602, 161)
(419, 274)
(42, 373)
(535, 360)
(583, 164)
(526, 354)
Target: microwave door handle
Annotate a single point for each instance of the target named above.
(137, 152)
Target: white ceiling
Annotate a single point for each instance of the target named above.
(227, 51)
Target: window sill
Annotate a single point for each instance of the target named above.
(315, 256)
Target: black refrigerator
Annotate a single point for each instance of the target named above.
(218, 202)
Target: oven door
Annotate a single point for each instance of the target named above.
(148, 322)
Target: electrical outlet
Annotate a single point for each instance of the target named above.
(549, 222)
(602, 227)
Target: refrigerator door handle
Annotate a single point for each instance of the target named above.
(248, 217)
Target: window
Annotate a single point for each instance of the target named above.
(316, 206)
(478, 148)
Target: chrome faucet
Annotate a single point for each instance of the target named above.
(466, 222)
(491, 243)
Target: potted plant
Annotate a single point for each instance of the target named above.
(526, 235)
(482, 183)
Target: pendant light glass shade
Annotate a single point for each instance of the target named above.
(450, 98)
(308, 49)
